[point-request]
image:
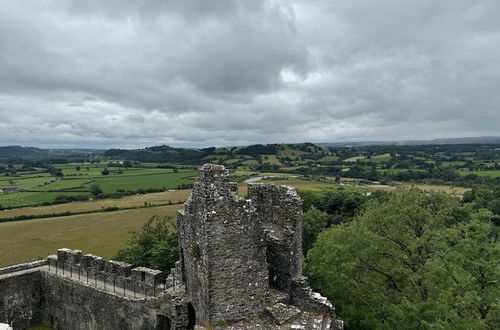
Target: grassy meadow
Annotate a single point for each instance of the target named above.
(153, 199)
(491, 174)
(154, 179)
(39, 188)
(100, 233)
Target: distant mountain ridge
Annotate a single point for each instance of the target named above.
(195, 155)
(32, 152)
(464, 140)
(160, 154)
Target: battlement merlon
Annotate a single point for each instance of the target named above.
(213, 172)
(100, 268)
(212, 190)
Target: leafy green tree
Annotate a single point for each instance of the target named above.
(340, 206)
(314, 223)
(413, 260)
(155, 247)
(95, 189)
(127, 164)
(56, 172)
(309, 198)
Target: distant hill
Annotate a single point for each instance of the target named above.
(167, 154)
(465, 140)
(10, 152)
(21, 152)
(160, 154)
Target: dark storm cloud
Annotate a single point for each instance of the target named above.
(221, 72)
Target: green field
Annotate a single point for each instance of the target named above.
(270, 159)
(353, 159)
(26, 183)
(24, 175)
(46, 189)
(65, 184)
(32, 198)
(167, 180)
(490, 174)
(291, 153)
(100, 233)
(250, 162)
(132, 201)
(381, 158)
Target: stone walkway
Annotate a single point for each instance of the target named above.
(101, 285)
(91, 281)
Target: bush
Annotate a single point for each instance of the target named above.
(67, 199)
(95, 190)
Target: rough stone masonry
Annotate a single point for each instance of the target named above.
(239, 268)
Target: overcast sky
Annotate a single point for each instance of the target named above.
(114, 73)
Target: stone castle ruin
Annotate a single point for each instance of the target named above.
(239, 268)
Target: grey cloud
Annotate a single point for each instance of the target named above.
(242, 56)
(221, 72)
(189, 9)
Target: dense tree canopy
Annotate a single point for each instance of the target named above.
(314, 223)
(329, 208)
(413, 260)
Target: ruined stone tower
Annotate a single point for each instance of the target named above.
(223, 250)
(237, 253)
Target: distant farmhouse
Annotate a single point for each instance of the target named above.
(239, 268)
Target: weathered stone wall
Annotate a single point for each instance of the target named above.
(20, 300)
(279, 210)
(223, 250)
(69, 305)
(31, 294)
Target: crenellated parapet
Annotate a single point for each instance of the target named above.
(146, 276)
(113, 272)
(69, 290)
